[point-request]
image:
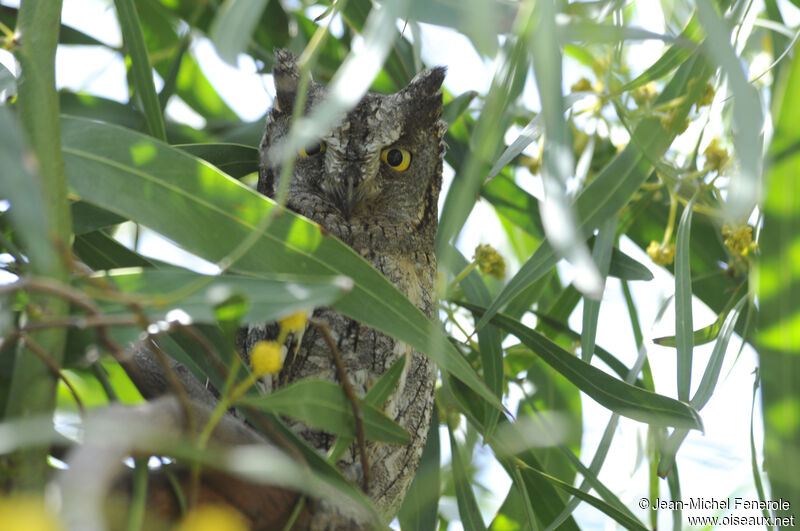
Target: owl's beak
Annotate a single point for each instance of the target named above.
(348, 197)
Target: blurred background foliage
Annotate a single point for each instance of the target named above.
(693, 158)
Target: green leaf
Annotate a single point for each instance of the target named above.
(208, 213)
(624, 267)
(457, 106)
(489, 339)
(122, 114)
(468, 510)
(616, 395)
(24, 192)
(748, 119)
(234, 159)
(778, 280)
(486, 137)
(322, 404)
(66, 34)
(376, 397)
(8, 84)
(87, 217)
(620, 517)
(618, 181)
(172, 58)
(269, 298)
(675, 55)
(779, 268)
(683, 302)
(234, 25)
(558, 164)
(141, 70)
(420, 506)
(100, 251)
(605, 356)
(522, 209)
(591, 308)
(709, 333)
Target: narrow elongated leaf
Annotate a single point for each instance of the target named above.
(622, 518)
(141, 70)
(529, 133)
(419, 510)
(66, 34)
(683, 303)
(489, 339)
(234, 159)
(267, 298)
(605, 356)
(322, 404)
(234, 25)
(540, 494)
(471, 517)
(486, 137)
(591, 308)
(675, 55)
(376, 397)
(522, 209)
(616, 395)
(705, 389)
(558, 165)
(24, 193)
(748, 118)
(208, 213)
(8, 84)
(778, 277)
(98, 250)
(709, 333)
(87, 217)
(618, 181)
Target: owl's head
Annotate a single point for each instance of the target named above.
(380, 166)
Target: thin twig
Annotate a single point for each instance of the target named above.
(53, 366)
(183, 397)
(91, 321)
(322, 326)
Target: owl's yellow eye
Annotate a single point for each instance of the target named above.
(397, 158)
(313, 149)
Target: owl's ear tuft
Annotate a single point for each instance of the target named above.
(426, 84)
(287, 78)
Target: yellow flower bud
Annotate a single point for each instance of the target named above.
(707, 97)
(661, 254)
(490, 262)
(294, 323)
(644, 94)
(716, 156)
(739, 239)
(266, 358)
(26, 513)
(581, 85)
(213, 518)
(669, 121)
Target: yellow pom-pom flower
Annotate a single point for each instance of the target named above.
(26, 513)
(294, 323)
(661, 254)
(213, 518)
(490, 262)
(266, 358)
(716, 156)
(739, 239)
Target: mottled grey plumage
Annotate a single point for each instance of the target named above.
(389, 217)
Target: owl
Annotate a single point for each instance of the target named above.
(373, 181)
